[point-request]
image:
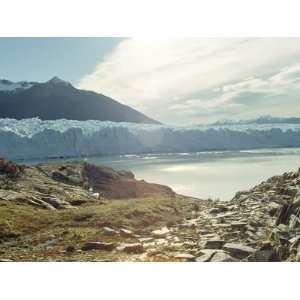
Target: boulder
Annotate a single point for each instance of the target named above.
(98, 246)
(238, 250)
(10, 169)
(120, 184)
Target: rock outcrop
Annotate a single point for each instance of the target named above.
(67, 185)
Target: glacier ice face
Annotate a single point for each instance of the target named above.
(34, 138)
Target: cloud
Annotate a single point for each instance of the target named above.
(195, 79)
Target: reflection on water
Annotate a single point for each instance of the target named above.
(207, 174)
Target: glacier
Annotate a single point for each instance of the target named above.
(36, 139)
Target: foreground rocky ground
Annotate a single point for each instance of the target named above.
(81, 212)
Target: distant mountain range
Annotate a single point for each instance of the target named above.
(58, 99)
(261, 120)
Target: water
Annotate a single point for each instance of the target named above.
(217, 174)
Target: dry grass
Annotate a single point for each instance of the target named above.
(32, 234)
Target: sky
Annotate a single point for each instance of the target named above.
(176, 81)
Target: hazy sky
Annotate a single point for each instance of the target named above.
(176, 81)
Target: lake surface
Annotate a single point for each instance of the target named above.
(217, 174)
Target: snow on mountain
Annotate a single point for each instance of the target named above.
(9, 86)
(34, 138)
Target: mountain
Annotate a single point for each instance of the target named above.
(261, 120)
(58, 99)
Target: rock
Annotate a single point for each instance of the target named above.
(109, 231)
(294, 222)
(56, 203)
(114, 184)
(218, 209)
(291, 191)
(10, 169)
(146, 240)
(294, 241)
(221, 256)
(161, 242)
(238, 225)
(149, 244)
(283, 228)
(238, 250)
(185, 257)
(70, 249)
(5, 260)
(273, 208)
(188, 225)
(126, 233)
(98, 246)
(298, 254)
(250, 228)
(284, 214)
(135, 248)
(279, 236)
(161, 232)
(205, 256)
(214, 244)
(263, 256)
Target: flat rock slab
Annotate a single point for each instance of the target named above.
(214, 244)
(221, 256)
(205, 257)
(238, 225)
(263, 256)
(98, 246)
(238, 250)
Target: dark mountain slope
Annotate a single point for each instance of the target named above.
(57, 99)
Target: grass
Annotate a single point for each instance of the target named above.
(32, 234)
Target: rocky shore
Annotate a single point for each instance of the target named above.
(82, 212)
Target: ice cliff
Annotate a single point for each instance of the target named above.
(34, 138)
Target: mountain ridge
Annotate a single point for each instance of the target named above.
(260, 120)
(59, 99)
